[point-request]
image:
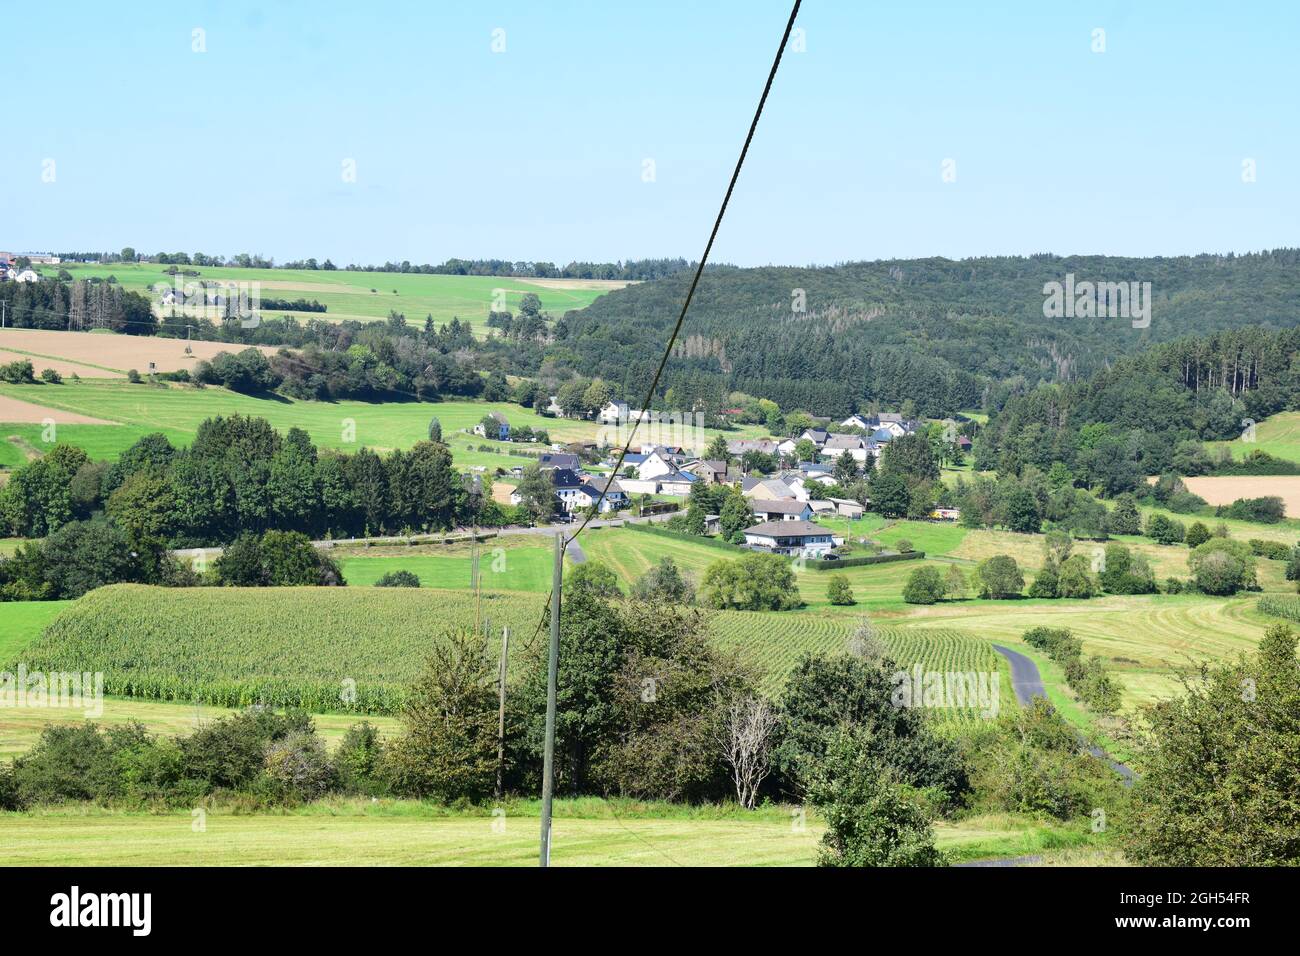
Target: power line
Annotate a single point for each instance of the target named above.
(562, 542)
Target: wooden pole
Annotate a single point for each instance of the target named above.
(548, 760)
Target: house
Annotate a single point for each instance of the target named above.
(848, 508)
(815, 470)
(655, 464)
(851, 445)
(858, 421)
(607, 493)
(963, 443)
(553, 407)
(556, 459)
(817, 436)
(766, 489)
(568, 486)
(800, 538)
(782, 510)
(613, 413)
(677, 483)
(494, 426)
(739, 446)
(27, 275)
(786, 448)
(946, 514)
(713, 472)
(821, 506)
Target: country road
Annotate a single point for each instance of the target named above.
(1027, 682)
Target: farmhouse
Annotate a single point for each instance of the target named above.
(493, 426)
(27, 275)
(852, 445)
(604, 490)
(800, 538)
(713, 472)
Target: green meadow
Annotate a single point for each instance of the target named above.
(1278, 435)
(349, 295)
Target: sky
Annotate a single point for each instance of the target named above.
(604, 131)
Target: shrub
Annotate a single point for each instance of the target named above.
(1273, 550)
(1222, 566)
(359, 759)
(297, 767)
(838, 591)
(1126, 572)
(398, 579)
(925, 585)
(1076, 579)
(664, 582)
(229, 753)
(1197, 534)
(903, 546)
(276, 559)
(51, 376)
(1124, 517)
(133, 376)
(1267, 510)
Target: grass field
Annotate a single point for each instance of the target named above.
(1278, 435)
(500, 569)
(177, 412)
(21, 622)
(348, 295)
(586, 832)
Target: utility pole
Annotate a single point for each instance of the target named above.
(548, 761)
(501, 713)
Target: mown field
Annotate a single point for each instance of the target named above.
(366, 296)
(177, 412)
(586, 832)
(1278, 435)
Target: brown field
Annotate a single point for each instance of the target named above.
(1226, 490)
(62, 366)
(114, 352)
(1027, 549)
(14, 410)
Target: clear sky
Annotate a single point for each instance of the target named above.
(539, 152)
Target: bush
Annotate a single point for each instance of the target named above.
(133, 376)
(903, 546)
(51, 376)
(1273, 550)
(1124, 517)
(399, 579)
(1266, 510)
(297, 767)
(925, 585)
(1076, 579)
(1222, 566)
(276, 559)
(839, 592)
(359, 760)
(664, 582)
(1126, 572)
(230, 753)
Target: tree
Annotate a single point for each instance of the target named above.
(398, 579)
(435, 430)
(1239, 808)
(925, 585)
(536, 493)
(1076, 579)
(838, 591)
(448, 748)
(954, 583)
(1021, 511)
(1163, 530)
(889, 495)
(754, 582)
(1124, 572)
(1197, 534)
(871, 818)
(717, 450)
(735, 517)
(910, 457)
(594, 578)
(999, 577)
(806, 450)
(846, 468)
(747, 745)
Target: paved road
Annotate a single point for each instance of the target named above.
(1027, 682)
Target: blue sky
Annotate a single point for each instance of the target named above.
(538, 152)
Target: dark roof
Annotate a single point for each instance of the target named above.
(787, 529)
(784, 506)
(558, 459)
(565, 478)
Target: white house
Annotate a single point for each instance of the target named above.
(782, 510)
(799, 538)
(605, 490)
(27, 275)
(858, 421)
(657, 463)
(498, 430)
(851, 445)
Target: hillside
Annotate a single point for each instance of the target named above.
(934, 330)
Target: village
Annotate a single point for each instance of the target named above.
(787, 483)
